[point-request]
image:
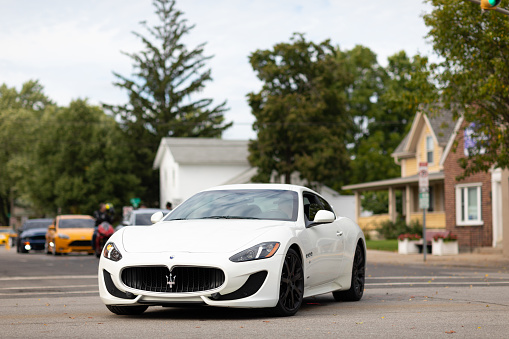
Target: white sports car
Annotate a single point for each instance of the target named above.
(255, 245)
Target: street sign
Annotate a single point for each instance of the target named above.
(423, 177)
(135, 202)
(423, 185)
(424, 200)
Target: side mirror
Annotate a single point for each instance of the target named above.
(156, 217)
(323, 217)
(51, 228)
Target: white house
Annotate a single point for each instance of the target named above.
(189, 165)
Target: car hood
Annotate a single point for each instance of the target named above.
(197, 236)
(76, 232)
(33, 232)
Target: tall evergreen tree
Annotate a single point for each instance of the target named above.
(163, 92)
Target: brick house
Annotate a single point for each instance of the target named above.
(471, 208)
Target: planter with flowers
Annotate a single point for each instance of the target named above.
(407, 243)
(444, 244)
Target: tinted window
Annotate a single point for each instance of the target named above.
(36, 224)
(76, 223)
(142, 219)
(312, 204)
(239, 204)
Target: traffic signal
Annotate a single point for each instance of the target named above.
(489, 4)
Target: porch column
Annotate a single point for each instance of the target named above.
(392, 204)
(357, 206)
(408, 204)
(505, 213)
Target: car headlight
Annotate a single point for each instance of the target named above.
(63, 236)
(261, 251)
(111, 252)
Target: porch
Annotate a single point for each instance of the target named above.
(409, 190)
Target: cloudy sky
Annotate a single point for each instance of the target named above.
(72, 47)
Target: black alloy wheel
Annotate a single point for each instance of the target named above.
(291, 287)
(127, 310)
(358, 278)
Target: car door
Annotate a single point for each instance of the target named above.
(324, 243)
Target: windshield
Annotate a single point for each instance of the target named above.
(239, 204)
(36, 224)
(76, 223)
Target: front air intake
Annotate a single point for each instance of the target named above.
(181, 279)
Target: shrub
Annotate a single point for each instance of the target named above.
(446, 238)
(409, 236)
(391, 230)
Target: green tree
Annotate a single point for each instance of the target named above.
(301, 117)
(474, 76)
(81, 159)
(397, 91)
(384, 101)
(163, 92)
(19, 113)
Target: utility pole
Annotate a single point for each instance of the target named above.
(424, 202)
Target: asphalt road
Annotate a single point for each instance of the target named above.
(45, 296)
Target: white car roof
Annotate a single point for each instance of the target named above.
(286, 187)
(149, 210)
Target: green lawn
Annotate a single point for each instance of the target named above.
(383, 245)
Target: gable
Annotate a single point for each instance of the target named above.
(203, 151)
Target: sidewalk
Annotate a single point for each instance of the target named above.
(494, 261)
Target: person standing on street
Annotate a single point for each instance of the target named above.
(101, 215)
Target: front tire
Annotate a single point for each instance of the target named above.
(127, 310)
(291, 286)
(358, 278)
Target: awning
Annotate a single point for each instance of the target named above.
(396, 182)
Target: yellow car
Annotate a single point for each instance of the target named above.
(4, 234)
(70, 233)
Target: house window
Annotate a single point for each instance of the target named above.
(429, 149)
(468, 205)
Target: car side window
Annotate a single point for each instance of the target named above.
(313, 204)
(326, 205)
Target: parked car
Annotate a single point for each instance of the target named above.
(5, 232)
(70, 233)
(246, 246)
(31, 224)
(140, 217)
(32, 240)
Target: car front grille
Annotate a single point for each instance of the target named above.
(37, 238)
(80, 243)
(181, 279)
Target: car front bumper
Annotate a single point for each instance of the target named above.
(237, 290)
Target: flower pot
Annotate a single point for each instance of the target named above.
(406, 246)
(439, 247)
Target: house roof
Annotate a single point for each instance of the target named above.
(440, 121)
(208, 151)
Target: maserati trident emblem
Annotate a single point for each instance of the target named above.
(170, 280)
